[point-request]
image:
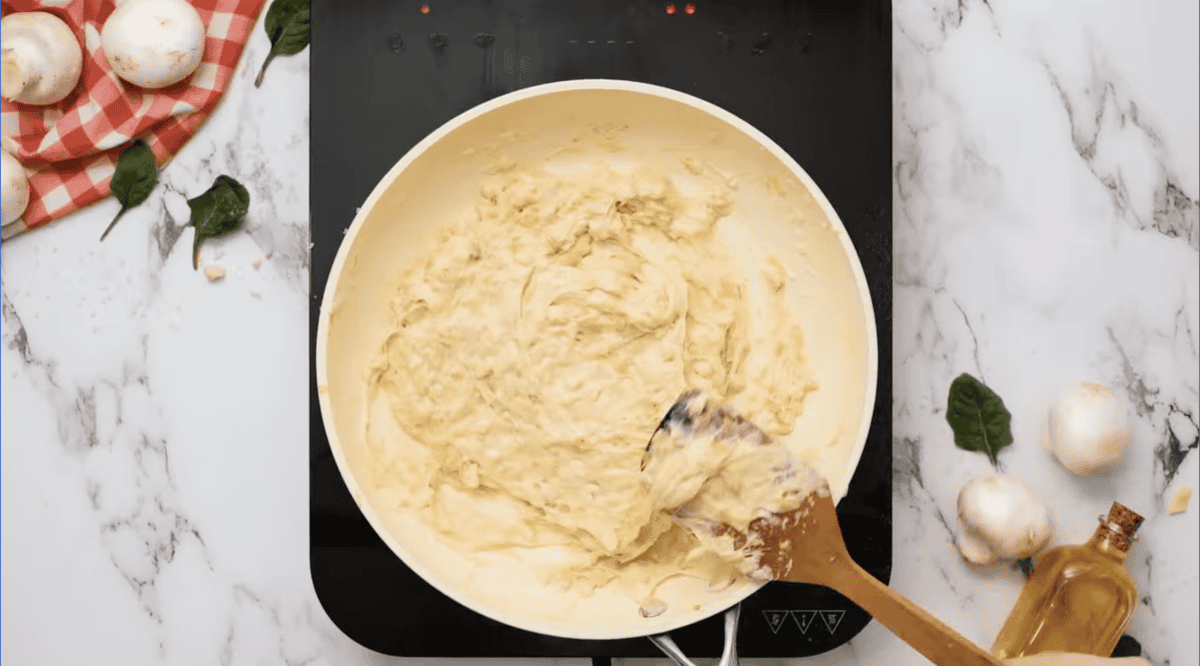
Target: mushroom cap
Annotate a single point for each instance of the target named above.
(1003, 517)
(1088, 429)
(154, 43)
(42, 59)
(15, 187)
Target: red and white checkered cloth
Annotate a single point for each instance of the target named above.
(74, 145)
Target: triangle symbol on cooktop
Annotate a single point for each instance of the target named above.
(804, 619)
(775, 619)
(832, 619)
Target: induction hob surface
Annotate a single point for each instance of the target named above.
(813, 76)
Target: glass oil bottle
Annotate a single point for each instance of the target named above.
(1079, 598)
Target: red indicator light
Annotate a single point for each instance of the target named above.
(424, 9)
(670, 9)
(690, 8)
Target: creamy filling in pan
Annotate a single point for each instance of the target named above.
(539, 342)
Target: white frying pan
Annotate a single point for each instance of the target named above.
(440, 178)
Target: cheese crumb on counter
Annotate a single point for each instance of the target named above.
(214, 272)
(1181, 500)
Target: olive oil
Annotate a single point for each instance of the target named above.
(1079, 598)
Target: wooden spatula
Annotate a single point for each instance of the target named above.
(805, 545)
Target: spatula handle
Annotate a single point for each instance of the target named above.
(924, 632)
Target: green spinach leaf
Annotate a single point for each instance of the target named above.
(978, 417)
(287, 24)
(217, 212)
(135, 177)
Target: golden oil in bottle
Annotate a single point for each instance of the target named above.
(1079, 598)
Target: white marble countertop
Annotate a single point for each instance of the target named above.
(153, 473)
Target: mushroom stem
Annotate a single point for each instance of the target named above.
(15, 195)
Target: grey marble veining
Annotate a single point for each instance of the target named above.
(153, 472)
(1046, 225)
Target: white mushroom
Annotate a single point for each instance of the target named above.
(154, 43)
(1088, 429)
(42, 60)
(15, 195)
(1002, 519)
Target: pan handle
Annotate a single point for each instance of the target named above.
(728, 655)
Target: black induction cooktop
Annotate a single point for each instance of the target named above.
(813, 76)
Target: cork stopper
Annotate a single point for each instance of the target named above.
(1119, 526)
